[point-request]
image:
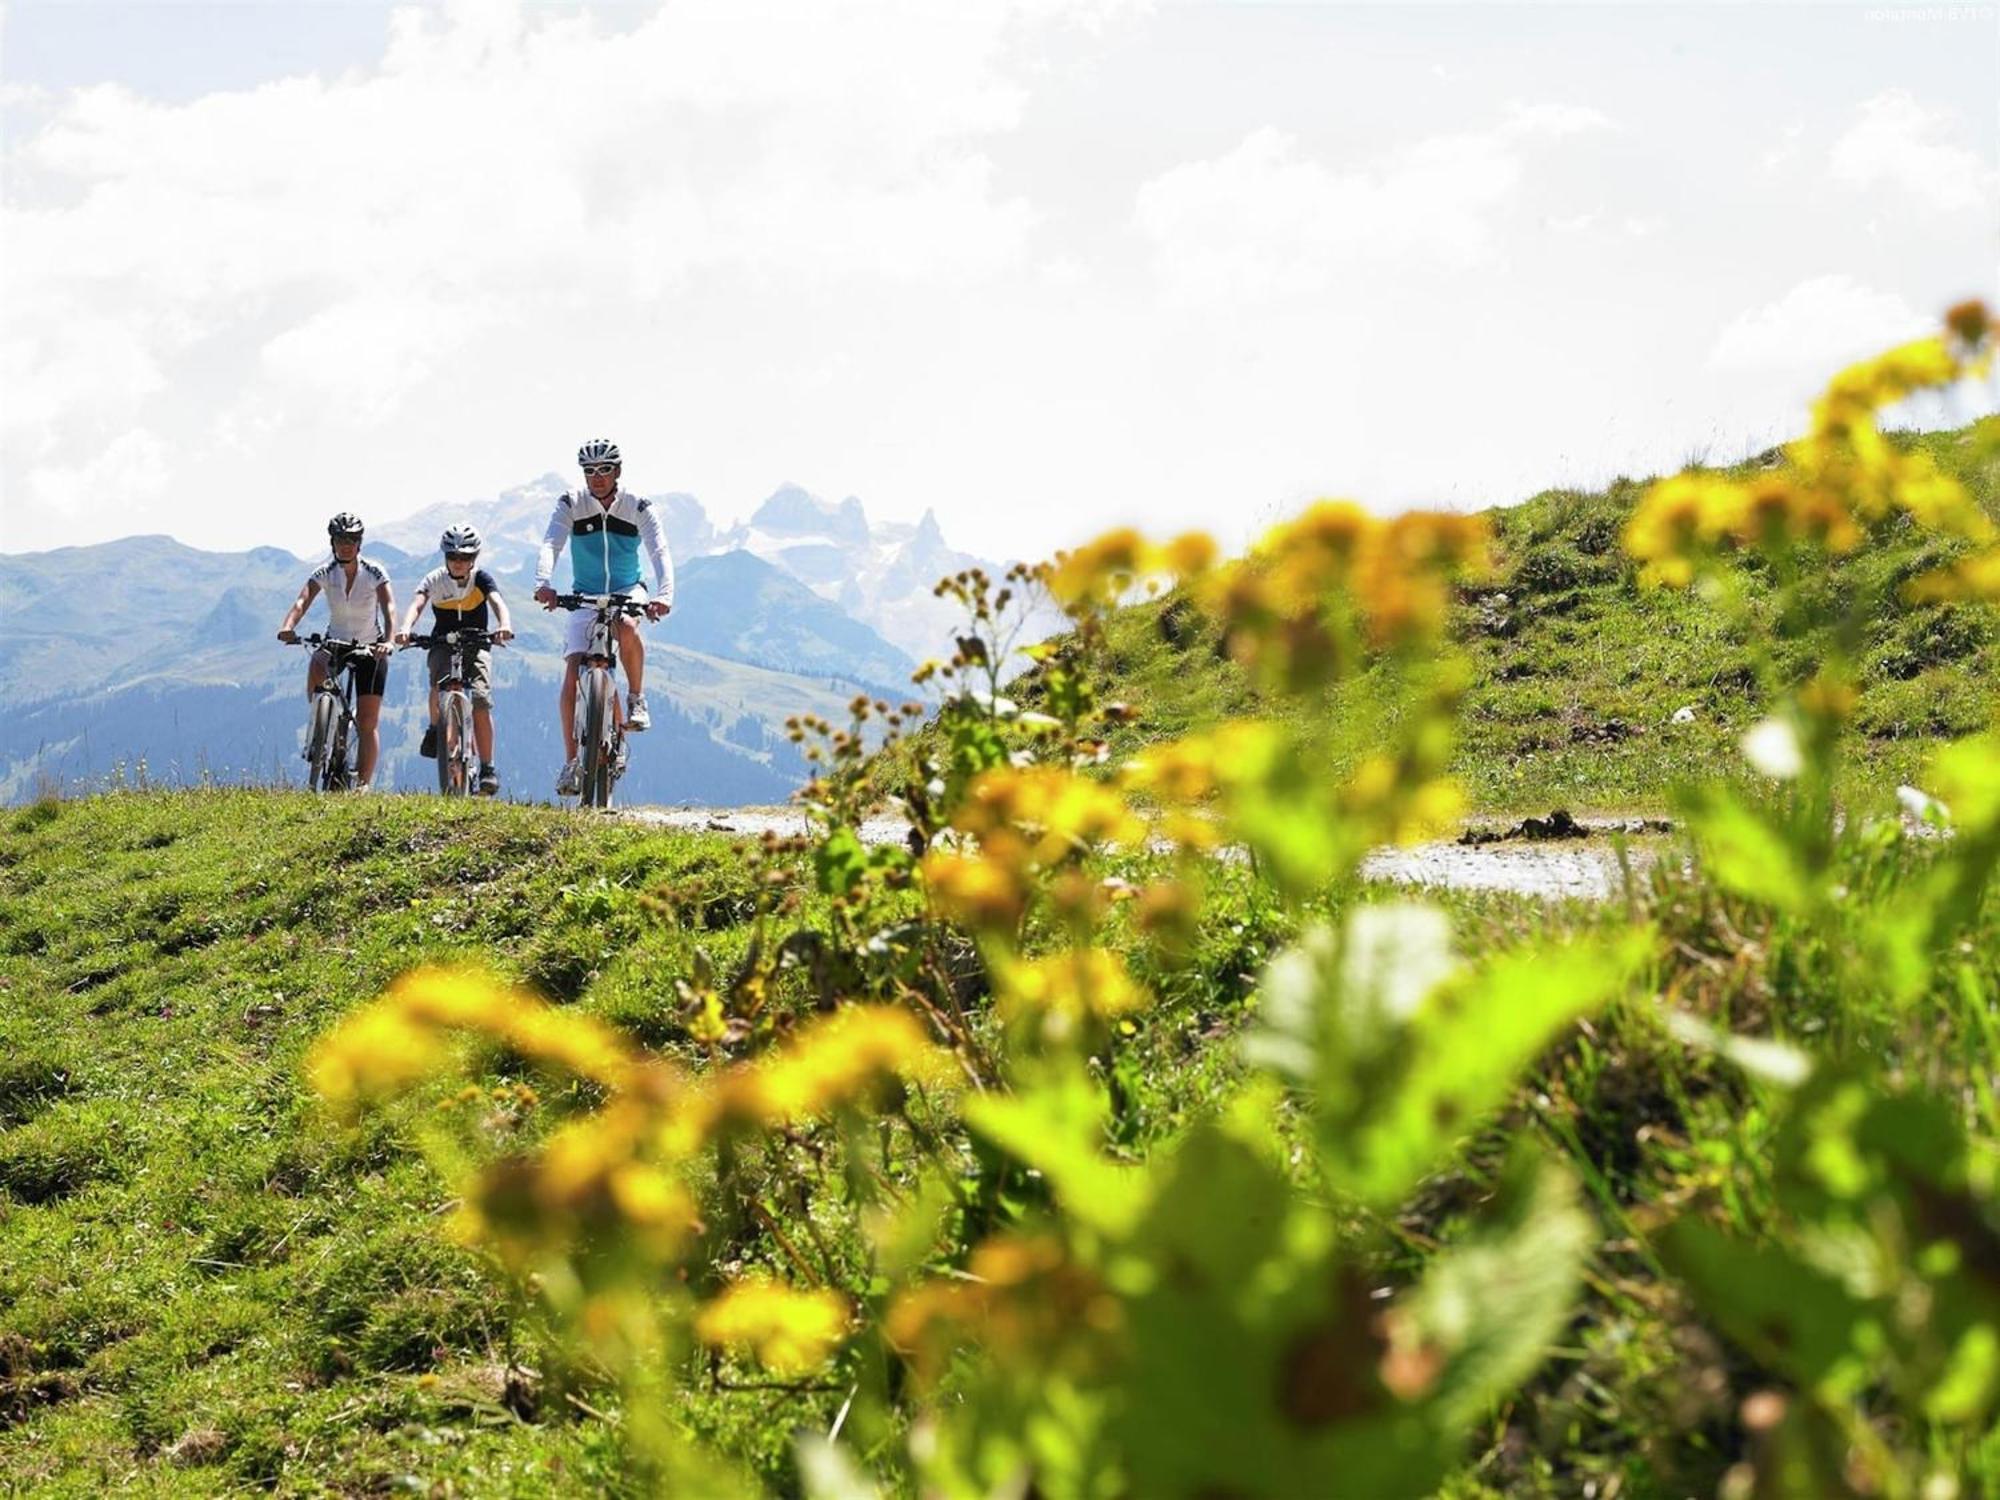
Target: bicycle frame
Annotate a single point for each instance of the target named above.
(601, 737)
(458, 760)
(328, 767)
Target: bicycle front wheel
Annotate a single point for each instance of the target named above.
(458, 771)
(319, 743)
(598, 710)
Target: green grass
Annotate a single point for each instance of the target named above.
(203, 1284)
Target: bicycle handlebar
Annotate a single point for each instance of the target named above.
(335, 643)
(463, 636)
(617, 604)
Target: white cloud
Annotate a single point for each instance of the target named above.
(1902, 143)
(1786, 149)
(1267, 222)
(131, 469)
(500, 167)
(1818, 324)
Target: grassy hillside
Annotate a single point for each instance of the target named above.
(202, 1282)
(1578, 671)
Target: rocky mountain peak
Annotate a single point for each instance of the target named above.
(793, 511)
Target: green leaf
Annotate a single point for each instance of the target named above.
(1473, 1038)
(1235, 1277)
(1965, 776)
(839, 861)
(1790, 1315)
(1744, 853)
(1057, 1128)
(1491, 1306)
(1406, 1052)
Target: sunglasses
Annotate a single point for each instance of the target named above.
(461, 557)
(348, 541)
(593, 470)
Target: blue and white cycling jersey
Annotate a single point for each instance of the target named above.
(605, 556)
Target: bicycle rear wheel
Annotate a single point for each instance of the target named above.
(319, 743)
(458, 770)
(595, 785)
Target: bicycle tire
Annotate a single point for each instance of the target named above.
(319, 744)
(594, 787)
(341, 772)
(458, 772)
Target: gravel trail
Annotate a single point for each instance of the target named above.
(1582, 868)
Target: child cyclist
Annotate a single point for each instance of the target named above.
(360, 607)
(460, 594)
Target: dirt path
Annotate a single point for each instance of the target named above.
(1583, 867)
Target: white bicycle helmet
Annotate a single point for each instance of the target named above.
(347, 523)
(598, 451)
(460, 540)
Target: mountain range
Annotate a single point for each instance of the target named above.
(878, 573)
(147, 658)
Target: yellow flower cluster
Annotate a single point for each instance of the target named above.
(1026, 820)
(979, 893)
(1845, 474)
(1287, 606)
(393, 1043)
(1977, 577)
(1189, 769)
(790, 1332)
(589, 1179)
(1102, 571)
(1041, 815)
(1020, 1294)
(1066, 991)
(835, 1061)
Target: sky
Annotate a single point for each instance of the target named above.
(1044, 266)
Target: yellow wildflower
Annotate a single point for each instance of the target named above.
(1064, 991)
(985, 894)
(1178, 771)
(834, 1061)
(1099, 571)
(375, 1053)
(397, 1040)
(1189, 555)
(1054, 812)
(1022, 1298)
(790, 1332)
(587, 1184)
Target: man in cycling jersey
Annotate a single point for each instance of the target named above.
(608, 525)
(459, 594)
(361, 607)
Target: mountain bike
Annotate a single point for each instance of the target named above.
(601, 720)
(457, 754)
(330, 719)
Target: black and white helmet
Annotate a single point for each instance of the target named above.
(462, 541)
(347, 523)
(598, 451)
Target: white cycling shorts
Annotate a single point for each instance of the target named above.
(576, 638)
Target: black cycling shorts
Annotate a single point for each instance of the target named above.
(371, 672)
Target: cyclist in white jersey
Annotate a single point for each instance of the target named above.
(605, 528)
(361, 606)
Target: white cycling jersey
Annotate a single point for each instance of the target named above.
(353, 611)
